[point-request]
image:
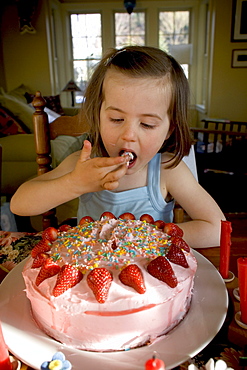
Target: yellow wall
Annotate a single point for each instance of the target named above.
(25, 60)
(25, 57)
(228, 94)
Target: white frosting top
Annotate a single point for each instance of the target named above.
(90, 246)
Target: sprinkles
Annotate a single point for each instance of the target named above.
(109, 243)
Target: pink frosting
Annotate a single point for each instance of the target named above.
(127, 319)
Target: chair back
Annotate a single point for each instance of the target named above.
(224, 125)
(43, 133)
(221, 152)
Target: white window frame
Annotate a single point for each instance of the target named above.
(145, 28)
(151, 8)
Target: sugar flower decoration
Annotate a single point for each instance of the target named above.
(210, 365)
(58, 362)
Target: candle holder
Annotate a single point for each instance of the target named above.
(230, 277)
(236, 294)
(238, 320)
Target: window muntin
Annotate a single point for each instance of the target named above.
(129, 29)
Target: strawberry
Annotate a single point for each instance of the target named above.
(39, 260)
(42, 246)
(50, 234)
(132, 276)
(64, 227)
(148, 218)
(107, 215)
(177, 240)
(127, 216)
(99, 281)
(67, 277)
(48, 269)
(161, 269)
(176, 255)
(160, 224)
(173, 230)
(86, 220)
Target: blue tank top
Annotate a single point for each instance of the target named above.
(146, 199)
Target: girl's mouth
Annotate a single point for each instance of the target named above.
(130, 155)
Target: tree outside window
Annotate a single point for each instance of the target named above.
(86, 33)
(129, 29)
(174, 29)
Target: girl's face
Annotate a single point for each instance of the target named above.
(134, 116)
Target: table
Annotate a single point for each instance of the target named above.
(236, 336)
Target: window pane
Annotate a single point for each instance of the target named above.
(166, 23)
(174, 27)
(86, 46)
(86, 35)
(122, 41)
(181, 22)
(83, 70)
(129, 29)
(174, 30)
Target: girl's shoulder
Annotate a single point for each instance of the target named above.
(166, 161)
(165, 157)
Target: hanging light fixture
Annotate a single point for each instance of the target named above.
(129, 5)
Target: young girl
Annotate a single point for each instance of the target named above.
(136, 106)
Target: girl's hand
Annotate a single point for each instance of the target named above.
(77, 174)
(96, 174)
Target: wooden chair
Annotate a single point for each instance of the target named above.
(221, 162)
(212, 139)
(224, 125)
(43, 133)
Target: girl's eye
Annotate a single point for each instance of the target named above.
(116, 119)
(145, 125)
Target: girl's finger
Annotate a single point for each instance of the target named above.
(116, 174)
(112, 163)
(86, 151)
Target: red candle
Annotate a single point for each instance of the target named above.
(154, 364)
(225, 243)
(4, 354)
(242, 281)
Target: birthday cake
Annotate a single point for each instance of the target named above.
(112, 284)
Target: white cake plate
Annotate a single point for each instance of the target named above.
(203, 321)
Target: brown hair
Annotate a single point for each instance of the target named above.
(143, 61)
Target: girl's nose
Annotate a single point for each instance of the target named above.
(129, 132)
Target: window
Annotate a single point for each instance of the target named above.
(174, 35)
(129, 29)
(86, 30)
(86, 47)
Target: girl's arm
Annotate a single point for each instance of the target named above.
(204, 229)
(76, 175)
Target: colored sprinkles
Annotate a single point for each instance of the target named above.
(113, 243)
